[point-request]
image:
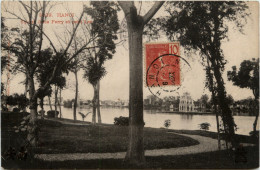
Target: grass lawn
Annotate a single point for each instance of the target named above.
(55, 137)
(215, 160)
(214, 135)
(58, 138)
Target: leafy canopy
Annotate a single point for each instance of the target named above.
(247, 76)
(104, 29)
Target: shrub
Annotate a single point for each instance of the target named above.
(16, 110)
(51, 113)
(121, 121)
(17, 100)
(204, 126)
(4, 109)
(68, 103)
(23, 125)
(167, 123)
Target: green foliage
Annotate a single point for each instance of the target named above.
(94, 71)
(19, 48)
(167, 123)
(230, 100)
(43, 93)
(202, 26)
(17, 100)
(4, 39)
(2, 89)
(204, 126)
(247, 76)
(23, 125)
(194, 24)
(68, 103)
(204, 99)
(46, 67)
(104, 28)
(51, 113)
(16, 110)
(121, 121)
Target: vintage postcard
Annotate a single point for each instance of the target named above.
(129, 84)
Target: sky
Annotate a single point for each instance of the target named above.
(115, 85)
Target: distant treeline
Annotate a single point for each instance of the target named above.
(68, 103)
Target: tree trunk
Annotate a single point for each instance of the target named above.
(50, 102)
(218, 64)
(135, 152)
(56, 94)
(212, 89)
(135, 26)
(60, 103)
(219, 144)
(98, 103)
(41, 104)
(227, 117)
(215, 110)
(32, 136)
(26, 89)
(217, 120)
(256, 109)
(94, 102)
(255, 122)
(76, 96)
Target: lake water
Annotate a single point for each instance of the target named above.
(155, 119)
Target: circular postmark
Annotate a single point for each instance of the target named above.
(166, 74)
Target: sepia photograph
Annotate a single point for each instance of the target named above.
(129, 84)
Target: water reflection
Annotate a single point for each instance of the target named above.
(186, 116)
(156, 118)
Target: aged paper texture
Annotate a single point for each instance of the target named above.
(129, 84)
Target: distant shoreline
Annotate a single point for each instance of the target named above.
(198, 113)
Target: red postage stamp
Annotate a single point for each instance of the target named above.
(162, 64)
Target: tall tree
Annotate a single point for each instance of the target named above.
(29, 52)
(43, 73)
(42, 95)
(4, 40)
(75, 66)
(45, 69)
(93, 73)
(135, 27)
(59, 83)
(247, 77)
(230, 100)
(104, 27)
(203, 26)
(211, 85)
(204, 99)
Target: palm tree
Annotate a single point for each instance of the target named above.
(104, 32)
(94, 72)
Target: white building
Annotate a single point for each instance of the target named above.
(186, 103)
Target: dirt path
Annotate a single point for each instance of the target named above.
(206, 145)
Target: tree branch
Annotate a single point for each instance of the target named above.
(126, 5)
(157, 5)
(74, 31)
